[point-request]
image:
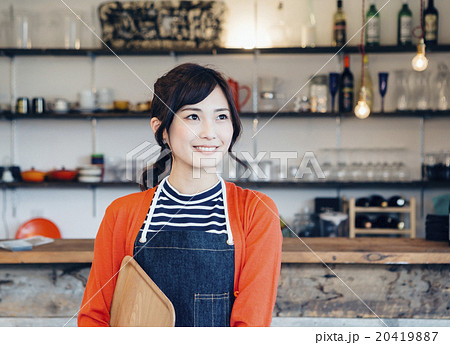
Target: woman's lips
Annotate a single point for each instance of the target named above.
(206, 149)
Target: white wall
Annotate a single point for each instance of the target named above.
(48, 144)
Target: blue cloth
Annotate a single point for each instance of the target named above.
(192, 264)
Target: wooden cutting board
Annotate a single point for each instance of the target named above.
(138, 301)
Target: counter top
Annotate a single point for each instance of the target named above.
(60, 251)
(375, 250)
(305, 250)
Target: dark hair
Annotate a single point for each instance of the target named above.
(188, 83)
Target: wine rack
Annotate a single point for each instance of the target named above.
(410, 209)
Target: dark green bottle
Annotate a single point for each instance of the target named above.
(404, 25)
(373, 26)
(431, 24)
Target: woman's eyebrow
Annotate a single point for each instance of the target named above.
(198, 109)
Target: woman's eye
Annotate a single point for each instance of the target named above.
(196, 116)
(225, 116)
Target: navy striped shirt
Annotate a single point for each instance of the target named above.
(175, 211)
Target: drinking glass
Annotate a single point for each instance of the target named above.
(382, 86)
(334, 81)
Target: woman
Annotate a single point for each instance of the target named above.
(212, 247)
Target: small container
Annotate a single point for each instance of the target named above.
(22, 105)
(38, 105)
(98, 160)
(318, 94)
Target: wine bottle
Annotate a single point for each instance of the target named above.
(396, 201)
(404, 25)
(362, 222)
(339, 27)
(373, 26)
(346, 88)
(430, 22)
(377, 201)
(388, 222)
(362, 202)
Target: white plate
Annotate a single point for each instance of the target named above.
(90, 179)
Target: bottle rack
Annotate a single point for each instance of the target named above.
(409, 209)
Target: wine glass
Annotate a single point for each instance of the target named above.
(382, 85)
(334, 81)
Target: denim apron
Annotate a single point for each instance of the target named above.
(193, 268)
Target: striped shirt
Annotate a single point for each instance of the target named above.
(175, 211)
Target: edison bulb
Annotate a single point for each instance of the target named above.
(362, 110)
(419, 62)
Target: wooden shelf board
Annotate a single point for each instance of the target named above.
(383, 209)
(382, 231)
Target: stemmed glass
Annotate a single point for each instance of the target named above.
(382, 85)
(334, 81)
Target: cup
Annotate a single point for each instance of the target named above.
(71, 32)
(87, 100)
(105, 99)
(22, 27)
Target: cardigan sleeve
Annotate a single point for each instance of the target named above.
(258, 280)
(100, 286)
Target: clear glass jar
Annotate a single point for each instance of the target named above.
(318, 94)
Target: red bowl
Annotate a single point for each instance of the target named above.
(38, 226)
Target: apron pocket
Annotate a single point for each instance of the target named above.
(211, 310)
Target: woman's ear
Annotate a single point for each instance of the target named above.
(155, 123)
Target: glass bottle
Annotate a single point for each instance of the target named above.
(318, 94)
(404, 25)
(373, 26)
(430, 23)
(339, 26)
(346, 88)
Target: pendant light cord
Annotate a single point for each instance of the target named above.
(422, 31)
(362, 49)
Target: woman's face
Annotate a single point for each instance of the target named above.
(208, 124)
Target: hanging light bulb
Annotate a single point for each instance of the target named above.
(362, 109)
(420, 61)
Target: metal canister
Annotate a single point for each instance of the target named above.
(38, 105)
(22, 105)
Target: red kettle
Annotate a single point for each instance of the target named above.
(235, 88)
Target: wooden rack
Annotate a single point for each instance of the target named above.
(410, 209)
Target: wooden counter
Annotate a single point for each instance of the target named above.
(365, 251)
(60, 251)
(305, 250)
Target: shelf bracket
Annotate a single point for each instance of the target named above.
(94, 201)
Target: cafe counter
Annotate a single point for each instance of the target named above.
(362, 277)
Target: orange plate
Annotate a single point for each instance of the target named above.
(38, 226)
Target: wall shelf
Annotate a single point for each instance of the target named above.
(295, 115)
(12, 52)
(249, 184)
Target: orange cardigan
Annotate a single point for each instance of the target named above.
(255, 226)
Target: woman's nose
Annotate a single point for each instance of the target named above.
(208, 130)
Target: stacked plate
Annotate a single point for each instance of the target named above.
(90, 173)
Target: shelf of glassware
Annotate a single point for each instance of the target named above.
(410, 210)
